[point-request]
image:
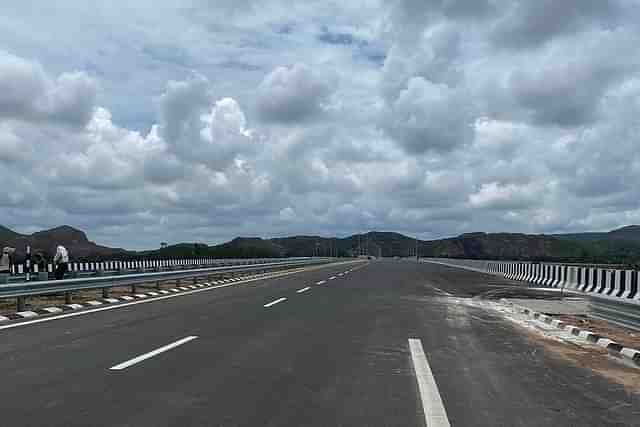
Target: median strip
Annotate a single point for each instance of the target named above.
(138, 359)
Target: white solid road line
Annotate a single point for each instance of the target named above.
(299, 291)
(322, 282)
(272, 303)
(131, 362)
(434, 413)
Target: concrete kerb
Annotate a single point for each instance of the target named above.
(612, 347)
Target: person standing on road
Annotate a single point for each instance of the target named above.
(5, 264)
(61, 260)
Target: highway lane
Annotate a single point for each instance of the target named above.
(334, 354)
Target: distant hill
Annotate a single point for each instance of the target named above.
(508, 246)
(240, 247)
(630, 233)
(76, 241)
(621, 246)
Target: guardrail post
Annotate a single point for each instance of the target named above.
(195, 279)
(134, 289)
(21, 303)
(67, 297)
(105, 292)
(158, 284)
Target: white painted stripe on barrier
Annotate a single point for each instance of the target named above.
(27, 314)
(74, 306)
(604, 342)
(630, 353)
(112, 300)
(94, 303)
(53, 309)
(585, 334)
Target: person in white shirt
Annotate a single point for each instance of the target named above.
(5, 264)
(61, 261)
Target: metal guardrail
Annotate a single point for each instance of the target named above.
(625, 313)
(67, 286)
(90, 269)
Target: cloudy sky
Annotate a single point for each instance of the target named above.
(192, 120)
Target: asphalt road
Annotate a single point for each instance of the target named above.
(336, 354)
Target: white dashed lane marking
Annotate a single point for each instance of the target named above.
(138, 359)
(299, 291)
(272, 303)
(322, 282)
(434, 413)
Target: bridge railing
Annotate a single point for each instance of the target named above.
(85, 269)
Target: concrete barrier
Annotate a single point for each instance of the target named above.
(608, 282)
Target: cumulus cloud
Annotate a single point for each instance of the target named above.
(431, 117)
(496, 196)
(29, 93)
(200, 130)
(292, 94)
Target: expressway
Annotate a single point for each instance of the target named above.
(325, 347)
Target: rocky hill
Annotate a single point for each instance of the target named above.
(76, 241)
(621, 246)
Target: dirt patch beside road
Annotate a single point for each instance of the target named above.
(621, 335)
(592, 357)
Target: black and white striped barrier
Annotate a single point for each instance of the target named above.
(609, 282)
